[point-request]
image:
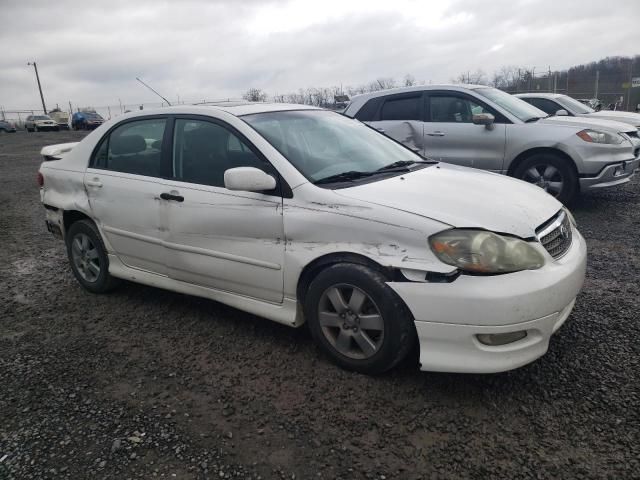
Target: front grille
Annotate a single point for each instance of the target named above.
(555, 235)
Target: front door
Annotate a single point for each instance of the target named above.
(451, 136)
(124, 183)
(218, 238)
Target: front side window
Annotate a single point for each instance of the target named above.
(404, 108)
(134, 147)
(203, 151)
(546, 105)
(453, 109)
(322, 144)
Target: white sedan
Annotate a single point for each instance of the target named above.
(299, 214)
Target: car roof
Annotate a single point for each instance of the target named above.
(237, 109)
(539, 95)
(419, 88)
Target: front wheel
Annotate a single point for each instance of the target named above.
(88, 257)
(357, 319)
(555, 175)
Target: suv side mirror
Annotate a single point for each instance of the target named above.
(562, 113)
(485, 119)
(248, 179)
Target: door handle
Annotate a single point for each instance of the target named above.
(94, 183)
(436, 134)
(170, 196)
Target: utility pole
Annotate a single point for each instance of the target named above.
(567, 92)
(597, 81)
(35, 67)
(630, 81)
(549, 77)
(70, 108)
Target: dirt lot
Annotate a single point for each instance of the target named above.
(143, 383)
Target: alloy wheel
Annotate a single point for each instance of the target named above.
(351, 321)
(85, 257)
(547, 177)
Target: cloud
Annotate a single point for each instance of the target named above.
(91, 52)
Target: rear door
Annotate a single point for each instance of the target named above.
(400, 116)
(451, 136)
(126, 177)
(218, 238)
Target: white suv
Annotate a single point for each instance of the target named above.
(299, 214)
(482, 127)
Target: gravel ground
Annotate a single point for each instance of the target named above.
(144, 383)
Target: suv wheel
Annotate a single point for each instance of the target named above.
(555, 175)
(357, 320)
(88, 257)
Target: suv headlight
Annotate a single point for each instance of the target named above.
(596, 136)
(479, 251)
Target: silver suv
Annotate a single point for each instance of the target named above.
(482, 127)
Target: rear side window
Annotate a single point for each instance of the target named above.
(203, 151)
(369, 110)
(134, 147)
(404, 108)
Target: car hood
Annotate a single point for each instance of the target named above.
(463, 197)
(625, 117)
(588, 122)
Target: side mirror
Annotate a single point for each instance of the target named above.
(248, 179)
(485, 119)
(562, 113)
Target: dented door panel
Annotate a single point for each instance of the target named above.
(231, 241)
(408, 132)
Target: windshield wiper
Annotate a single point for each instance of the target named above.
(343, 177)
(534, 119)
(401, 165)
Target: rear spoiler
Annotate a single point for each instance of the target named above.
(56, 152)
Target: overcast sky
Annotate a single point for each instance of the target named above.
(90, 52)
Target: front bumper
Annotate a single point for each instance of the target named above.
(611, 175)
(47, 127)
(449, 316)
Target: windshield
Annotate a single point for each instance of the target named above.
(42, 117)
(92, 116)
(573, 105)
(515, 106)
(323, 144)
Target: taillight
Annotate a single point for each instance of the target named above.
(40, 180)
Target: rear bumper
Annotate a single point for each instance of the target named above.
(611, 175)
(449, 316)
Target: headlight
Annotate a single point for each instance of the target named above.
(479, 251)
(595, 136)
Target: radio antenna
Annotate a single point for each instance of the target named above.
(168, 102)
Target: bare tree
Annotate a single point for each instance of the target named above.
(409, 80)
(255, 95)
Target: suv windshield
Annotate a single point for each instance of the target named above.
(573, 105)
(323, 144)
(515, 106)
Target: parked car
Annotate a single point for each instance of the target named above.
(300, 214)
(40, 123)
(482, 127)
(86, 120)
(564, 105)
(6, 127)
(61, 118)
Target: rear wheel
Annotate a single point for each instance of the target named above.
(554, 174)
(88, 257)
(357, 319)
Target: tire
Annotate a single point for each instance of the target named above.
(340, 332)
(555, 174)
(82, 239)
(35, 128)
